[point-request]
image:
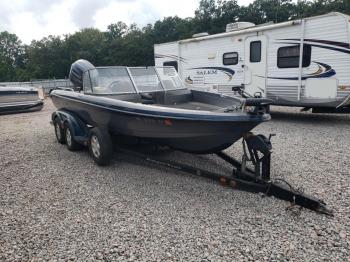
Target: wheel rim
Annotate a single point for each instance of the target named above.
(95, 146)
(58, 131)
(68, 137)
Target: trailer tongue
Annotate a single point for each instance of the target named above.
(257, 151)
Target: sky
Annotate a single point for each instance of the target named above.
(35, 19)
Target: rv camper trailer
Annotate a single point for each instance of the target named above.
(302, 63)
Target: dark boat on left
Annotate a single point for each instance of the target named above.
(19, 99)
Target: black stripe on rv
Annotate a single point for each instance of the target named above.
(326, 42)
(170, 56)
(326, 71)
(338, 46)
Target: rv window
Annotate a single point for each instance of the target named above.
(230, 58)
(255, 51)
(171, 63)
(288, 57)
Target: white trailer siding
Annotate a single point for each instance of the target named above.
(165, 53)
(327, 37)
(207, 54)
(276, 86)
(334, 28)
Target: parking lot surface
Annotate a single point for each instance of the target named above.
(58, 205)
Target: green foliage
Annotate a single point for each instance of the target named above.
(116, 30)
(129, 45)
(47, 58)
(86, 44)
(11, 56)
(172, 29)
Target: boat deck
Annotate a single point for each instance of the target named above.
(193, 106)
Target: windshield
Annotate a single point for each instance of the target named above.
(121, 80)
(169, 77)
(109, 80)
(145, 79)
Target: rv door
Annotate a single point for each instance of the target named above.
(255, 65)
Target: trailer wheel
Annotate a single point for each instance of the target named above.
(72, 145)
(100, 146)
(59, 132)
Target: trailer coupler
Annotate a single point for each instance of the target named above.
(247, 180)
(257, 151)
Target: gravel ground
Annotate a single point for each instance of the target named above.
(58, 205)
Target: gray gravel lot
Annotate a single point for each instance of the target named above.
(58, 205)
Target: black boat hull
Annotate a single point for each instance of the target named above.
(200, 133)
(21, 107)
(19, 99)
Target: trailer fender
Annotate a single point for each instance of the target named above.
(79, 128)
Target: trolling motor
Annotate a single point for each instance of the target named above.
(259, 104)
(240, 90)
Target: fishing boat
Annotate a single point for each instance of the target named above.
(110, 105)
(152, 103)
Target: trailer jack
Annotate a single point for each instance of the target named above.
(257, 151)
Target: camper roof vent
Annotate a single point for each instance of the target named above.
(200, 34)
(238, 26)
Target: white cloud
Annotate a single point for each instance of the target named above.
(128, 12)
(34, 19)
(143, 12)
(245, 2)
(30, 24)
(84, 11)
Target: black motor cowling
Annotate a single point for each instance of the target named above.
(77, 71)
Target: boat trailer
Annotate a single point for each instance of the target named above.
(257, 151)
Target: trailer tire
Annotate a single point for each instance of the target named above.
(71, 144)
(59, 132)
(100, 146)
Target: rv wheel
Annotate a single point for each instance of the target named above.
(72, 145)
(100, 146)
(59, 132)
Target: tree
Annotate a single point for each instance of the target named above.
(305, 8)
(11, 56)
(171, 29)
(204, 15)
(130, 45)
(47, 58)
(116, 30)
(89, 44)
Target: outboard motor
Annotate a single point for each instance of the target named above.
(77, 71)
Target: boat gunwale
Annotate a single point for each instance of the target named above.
(139, 109)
